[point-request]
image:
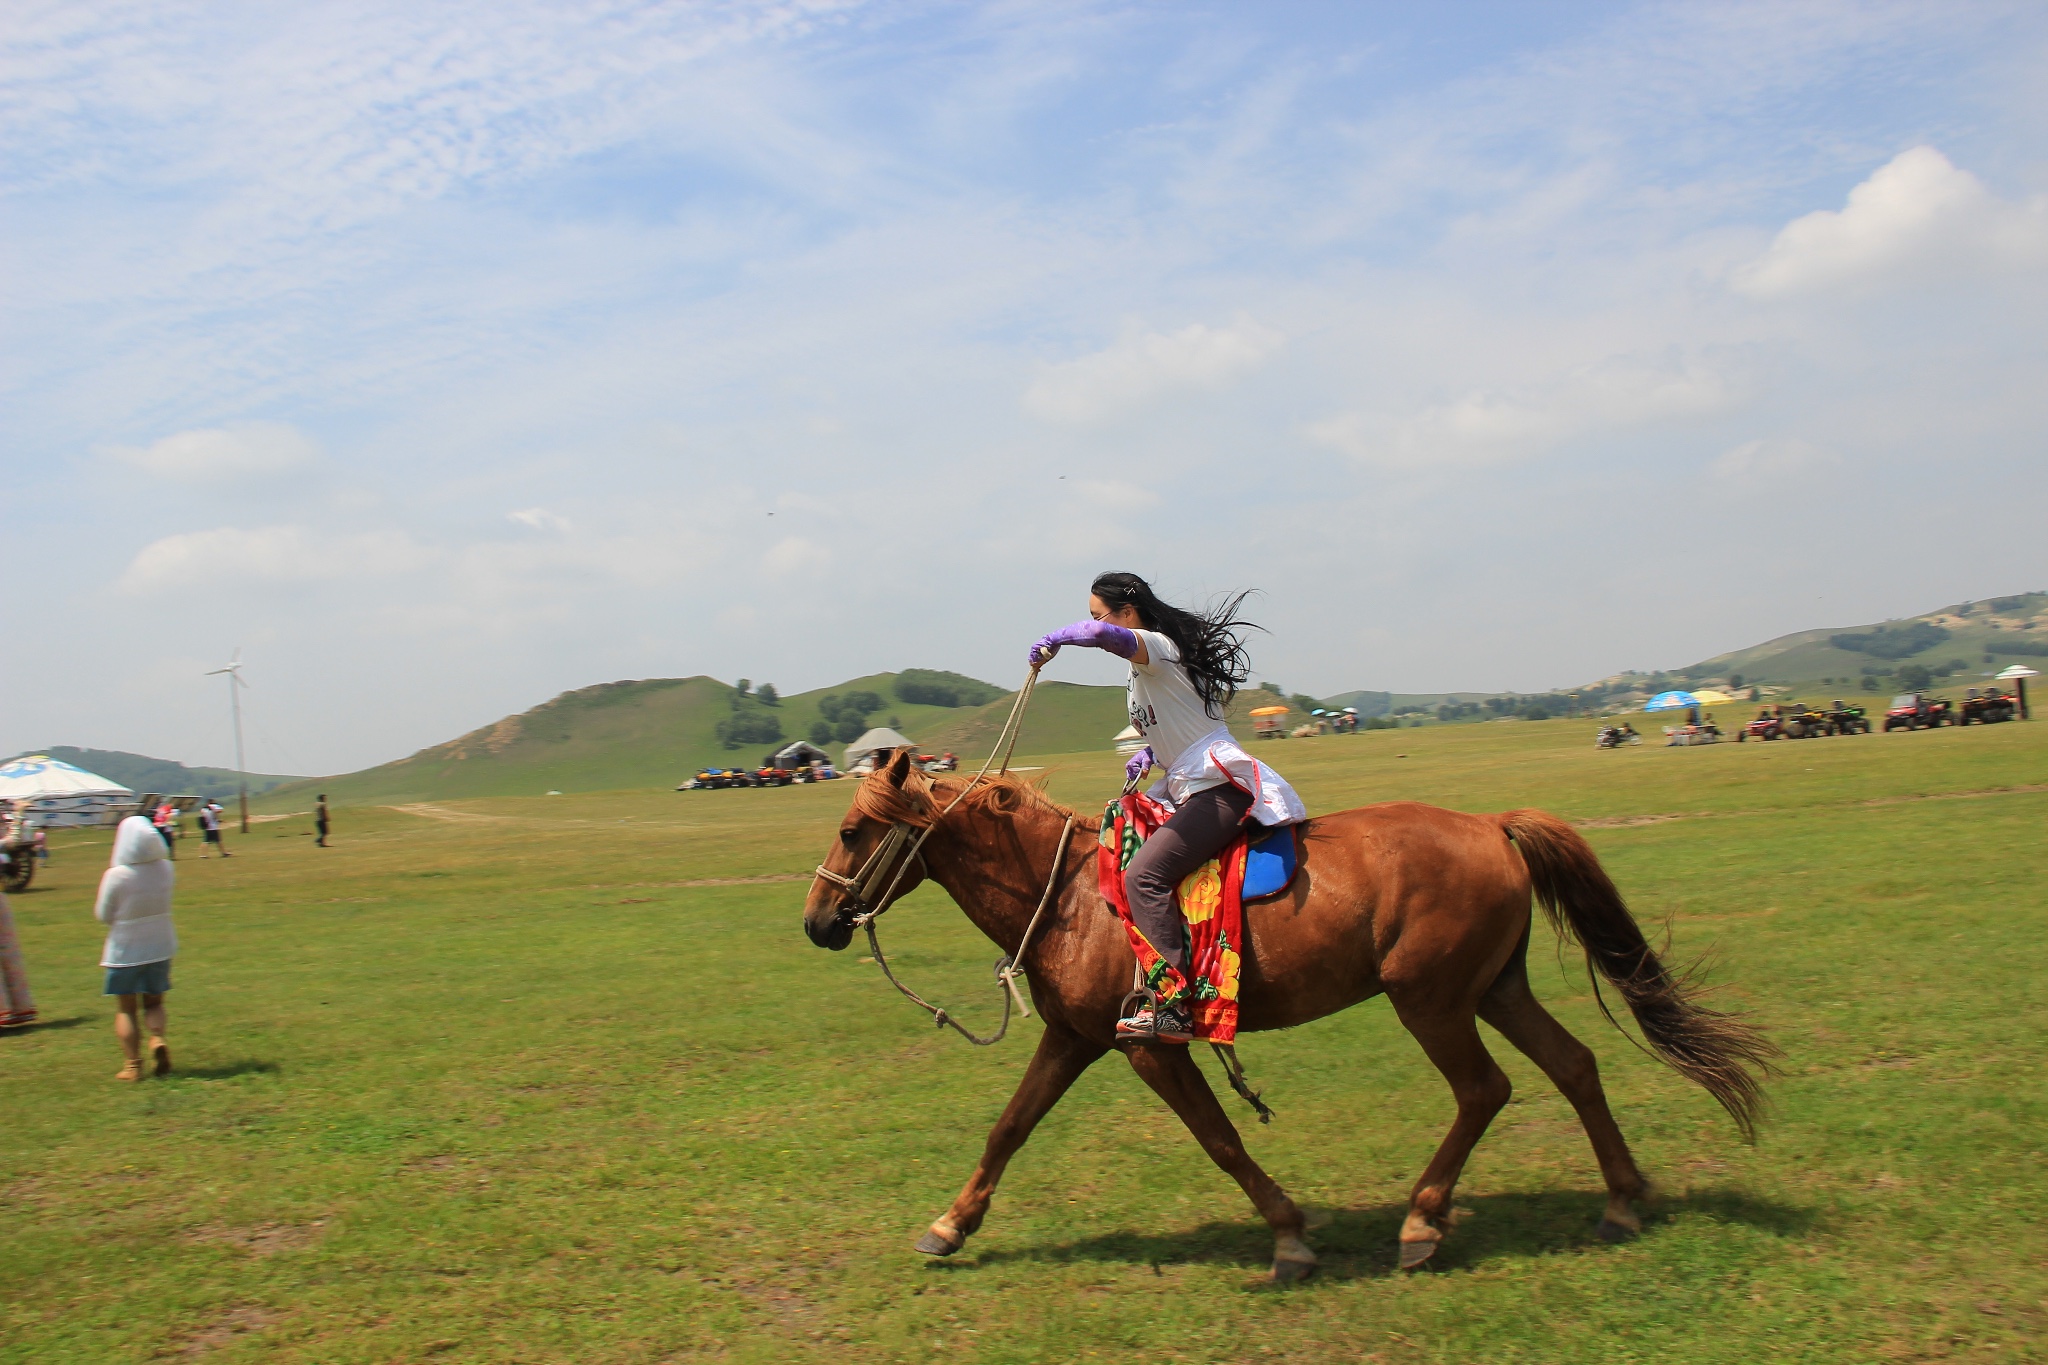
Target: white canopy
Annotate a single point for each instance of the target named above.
(1128, 740)
(39, 775)
(2020, 671)
(881, 737)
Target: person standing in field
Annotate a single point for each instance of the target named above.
(320, 821)
(165, 823)
(17, 1006)
(135, 905)
(209, 829)
(1185, 669)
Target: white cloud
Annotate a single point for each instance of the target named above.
(539, 519)
(1144, 367)
(794, 555)
(240, 450)
(278, 555)
(1771, 458)
(1502, 426)
(1918, 214)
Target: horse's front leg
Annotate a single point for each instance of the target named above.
(1061, 1058)
(1173, 1074)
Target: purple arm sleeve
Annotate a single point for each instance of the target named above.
(1139, 762)
(1093, 634)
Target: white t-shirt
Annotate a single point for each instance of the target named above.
(1193, 744)
(1165, 707)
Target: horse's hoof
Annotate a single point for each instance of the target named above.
(1417, 1254)
(1611, 1231)
(933, 1244)
(1292, 1272)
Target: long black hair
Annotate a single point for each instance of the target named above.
(1211, 644)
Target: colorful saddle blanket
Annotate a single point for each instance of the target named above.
(1212, 901)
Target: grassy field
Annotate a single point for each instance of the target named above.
(551, 1079)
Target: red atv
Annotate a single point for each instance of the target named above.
(1914, 711)
(1765, 726)
(1988, 707)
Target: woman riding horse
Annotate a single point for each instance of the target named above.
(1185, 668)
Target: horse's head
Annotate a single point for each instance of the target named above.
(865, 868)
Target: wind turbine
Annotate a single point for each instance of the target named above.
(235, 686)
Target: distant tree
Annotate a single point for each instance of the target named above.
(748, 727)
(860, 703)
(1275, 688)
(1892, 642)
(1870, 684)
(1446, 713)
(1914, 678)
(1734, 681)
(821, 732)
(1304, 703)
(895, 722)
(742, 686)
(828, 706)
(767, 695)
(933, 687)
(849, 728)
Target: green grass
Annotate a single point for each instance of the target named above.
(505, 1089)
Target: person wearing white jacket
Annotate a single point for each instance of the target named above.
(135, 905)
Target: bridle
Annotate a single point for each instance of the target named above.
(861, 907)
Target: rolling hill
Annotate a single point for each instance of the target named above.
(656, 732)
(162, 775)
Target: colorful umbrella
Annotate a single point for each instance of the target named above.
(1671, 701)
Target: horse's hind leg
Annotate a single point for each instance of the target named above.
(1481, 1088)
(1172, 1073)
(1061, 1058)
(1510, 1007)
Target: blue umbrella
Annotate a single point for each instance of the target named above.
(1672, 701)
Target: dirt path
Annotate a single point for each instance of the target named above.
(428, 810)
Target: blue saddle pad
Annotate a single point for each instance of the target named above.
(1269, 863)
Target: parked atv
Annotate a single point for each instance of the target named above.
(1987, 707)
(1803, 722)
(1914, 711)
(17, 865)
(1844, 719)
(1766, 726)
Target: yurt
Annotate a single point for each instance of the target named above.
(59, 796)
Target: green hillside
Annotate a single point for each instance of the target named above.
(165, 776)
(656, 732)
(1966, 642)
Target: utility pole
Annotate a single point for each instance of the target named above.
(235, 686)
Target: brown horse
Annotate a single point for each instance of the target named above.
(1428, 905)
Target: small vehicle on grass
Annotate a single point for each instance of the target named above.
(715, 779)
(1800, 721)
(1269, 722)
(1916, 711)
(1766, 726)
(772, 777)
(1987, 707)
(19, 866)
(1844, 719)
(1614, 736)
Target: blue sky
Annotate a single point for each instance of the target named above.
(445, 357)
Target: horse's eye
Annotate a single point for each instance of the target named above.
(846, 837)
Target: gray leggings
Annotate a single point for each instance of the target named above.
(1198, 831)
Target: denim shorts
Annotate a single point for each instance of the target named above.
(148, 978)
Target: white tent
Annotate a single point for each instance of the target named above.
(59, 795)
(881, 737)
(1128, 740)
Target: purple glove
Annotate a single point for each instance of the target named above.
(1093, 634)
(1140, 761)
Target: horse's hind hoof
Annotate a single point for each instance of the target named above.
(1415, 1255)
(933, 1243)
(1611, 1231)
(1292, 1272)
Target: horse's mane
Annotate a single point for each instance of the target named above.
(921, 796)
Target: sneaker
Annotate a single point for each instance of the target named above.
(1166, 1024)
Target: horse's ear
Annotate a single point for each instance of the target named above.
(898, 771)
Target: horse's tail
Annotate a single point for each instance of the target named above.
(1720, 1052)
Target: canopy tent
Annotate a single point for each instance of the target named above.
(2017, 675)
(1710, 697)
(1128, 740)
(1672, 701)
(881, 737)
(57, 794)
(801, 754)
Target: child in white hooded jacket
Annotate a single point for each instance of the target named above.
(135, 905)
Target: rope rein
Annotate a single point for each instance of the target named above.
(1008, 968)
